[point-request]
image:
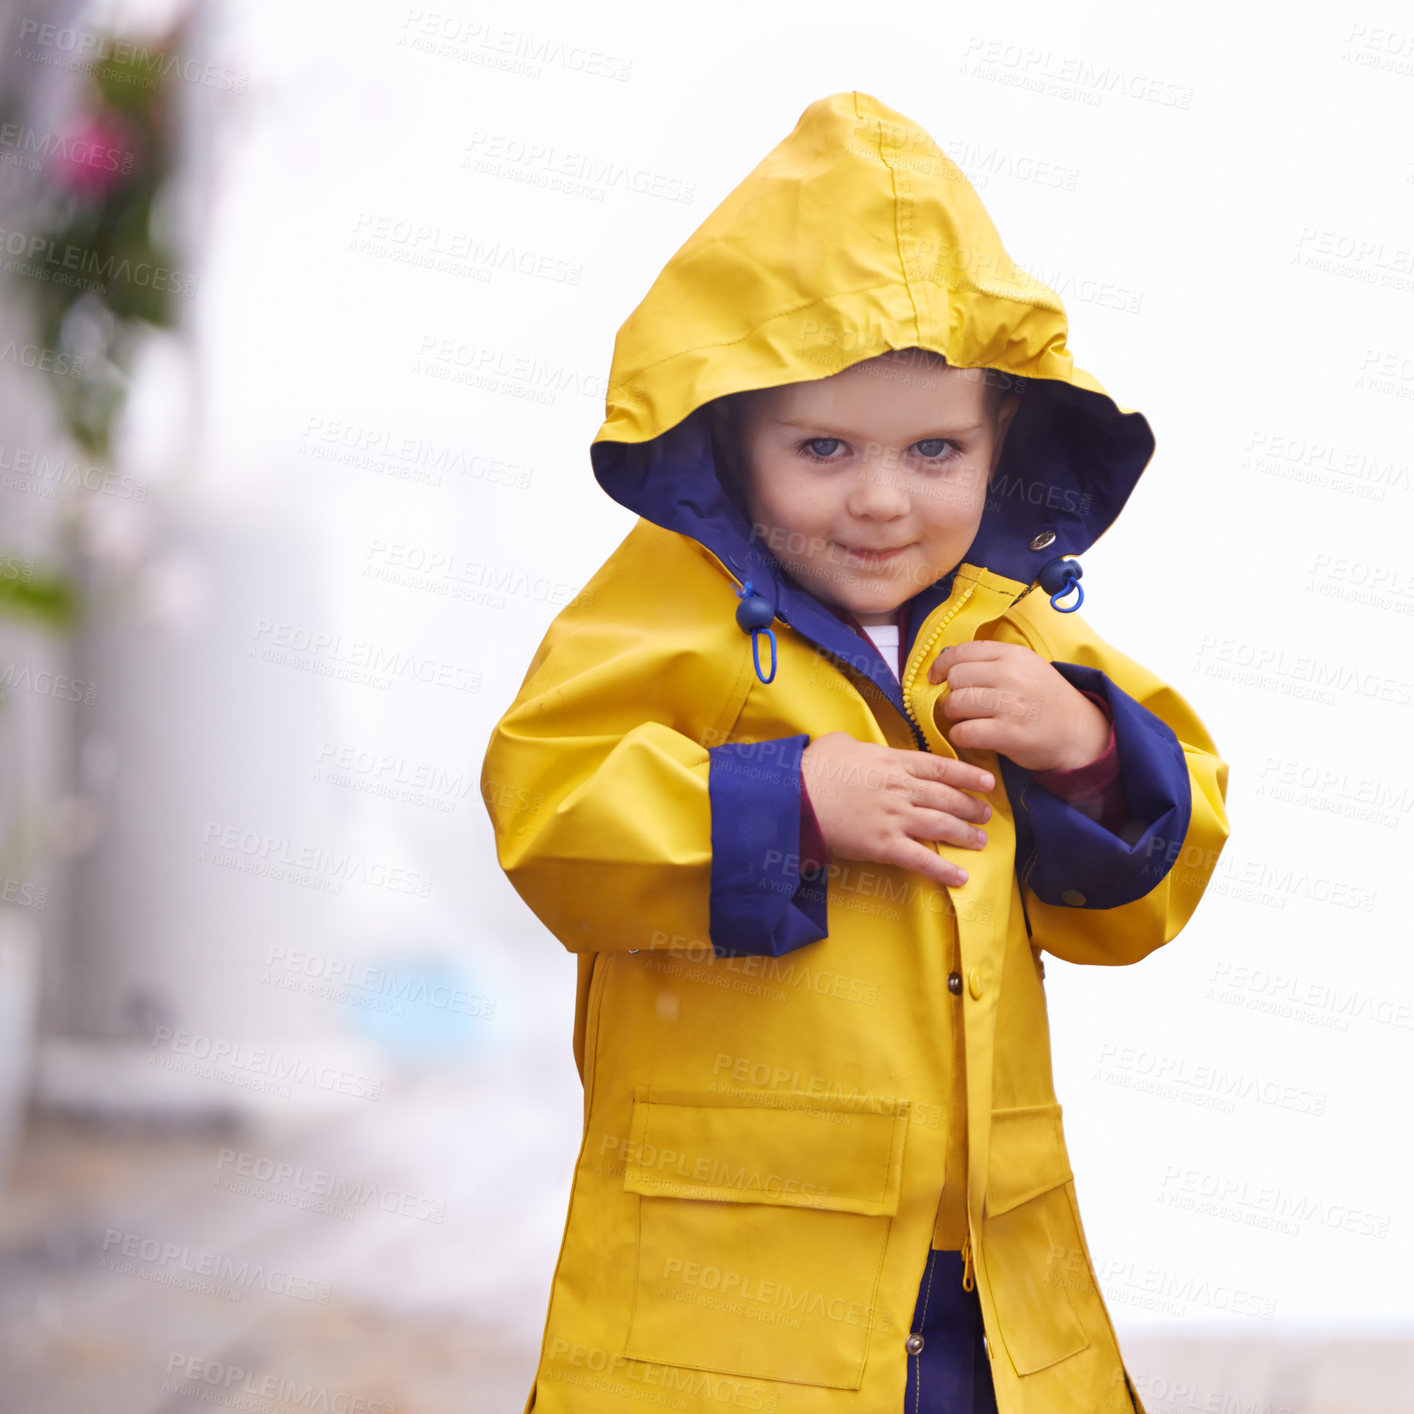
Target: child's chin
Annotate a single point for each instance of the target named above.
(885, 605)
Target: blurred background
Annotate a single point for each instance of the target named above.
(306, 314)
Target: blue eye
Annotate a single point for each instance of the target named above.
(931, 449)
(940, 444)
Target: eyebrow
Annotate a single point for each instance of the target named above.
(816, 426)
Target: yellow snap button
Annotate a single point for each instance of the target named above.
(1073, 896)
(974, 982)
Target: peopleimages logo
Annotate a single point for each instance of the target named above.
(180, 1265)
(253, 1067)
(38, 255)
(134, 64)
(214, 1382)
(1070, 76)
(256, 1170)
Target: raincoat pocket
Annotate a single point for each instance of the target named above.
(1030, 1244)
(761, 1232)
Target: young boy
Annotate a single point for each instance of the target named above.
(808, 778)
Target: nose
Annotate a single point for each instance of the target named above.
(877, 491)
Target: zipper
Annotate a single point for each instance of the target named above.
(969, 1281)
(916, 659)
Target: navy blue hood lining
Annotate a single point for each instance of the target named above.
(1070, 462)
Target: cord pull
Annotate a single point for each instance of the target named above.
(1058, 577)
(754, 616)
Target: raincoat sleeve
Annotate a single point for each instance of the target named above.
(624, 816)
(1111, 896)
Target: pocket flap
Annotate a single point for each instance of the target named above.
(1027, 1155)
(791, 1150)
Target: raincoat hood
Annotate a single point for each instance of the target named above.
(856, 235)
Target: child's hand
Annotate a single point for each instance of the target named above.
(877, 802)
(1003, 697)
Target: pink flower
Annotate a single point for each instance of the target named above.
(95, 156)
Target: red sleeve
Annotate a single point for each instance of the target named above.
(1095, 789)
(814, 852)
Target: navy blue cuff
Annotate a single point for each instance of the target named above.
(1069, 859)
(759, 903)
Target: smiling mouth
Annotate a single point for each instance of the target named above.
(872, 557)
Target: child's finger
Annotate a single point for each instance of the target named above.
(934, 796)
(990, 700)
(944, 826)
(975, 650)
(962, 676)
(949, 771)
(928, 862)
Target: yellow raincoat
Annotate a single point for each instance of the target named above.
(771, 1099)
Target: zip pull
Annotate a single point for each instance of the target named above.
(968, 1279)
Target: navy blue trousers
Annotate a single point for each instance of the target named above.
(950, 1374)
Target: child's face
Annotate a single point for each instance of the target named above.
(869, 485)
